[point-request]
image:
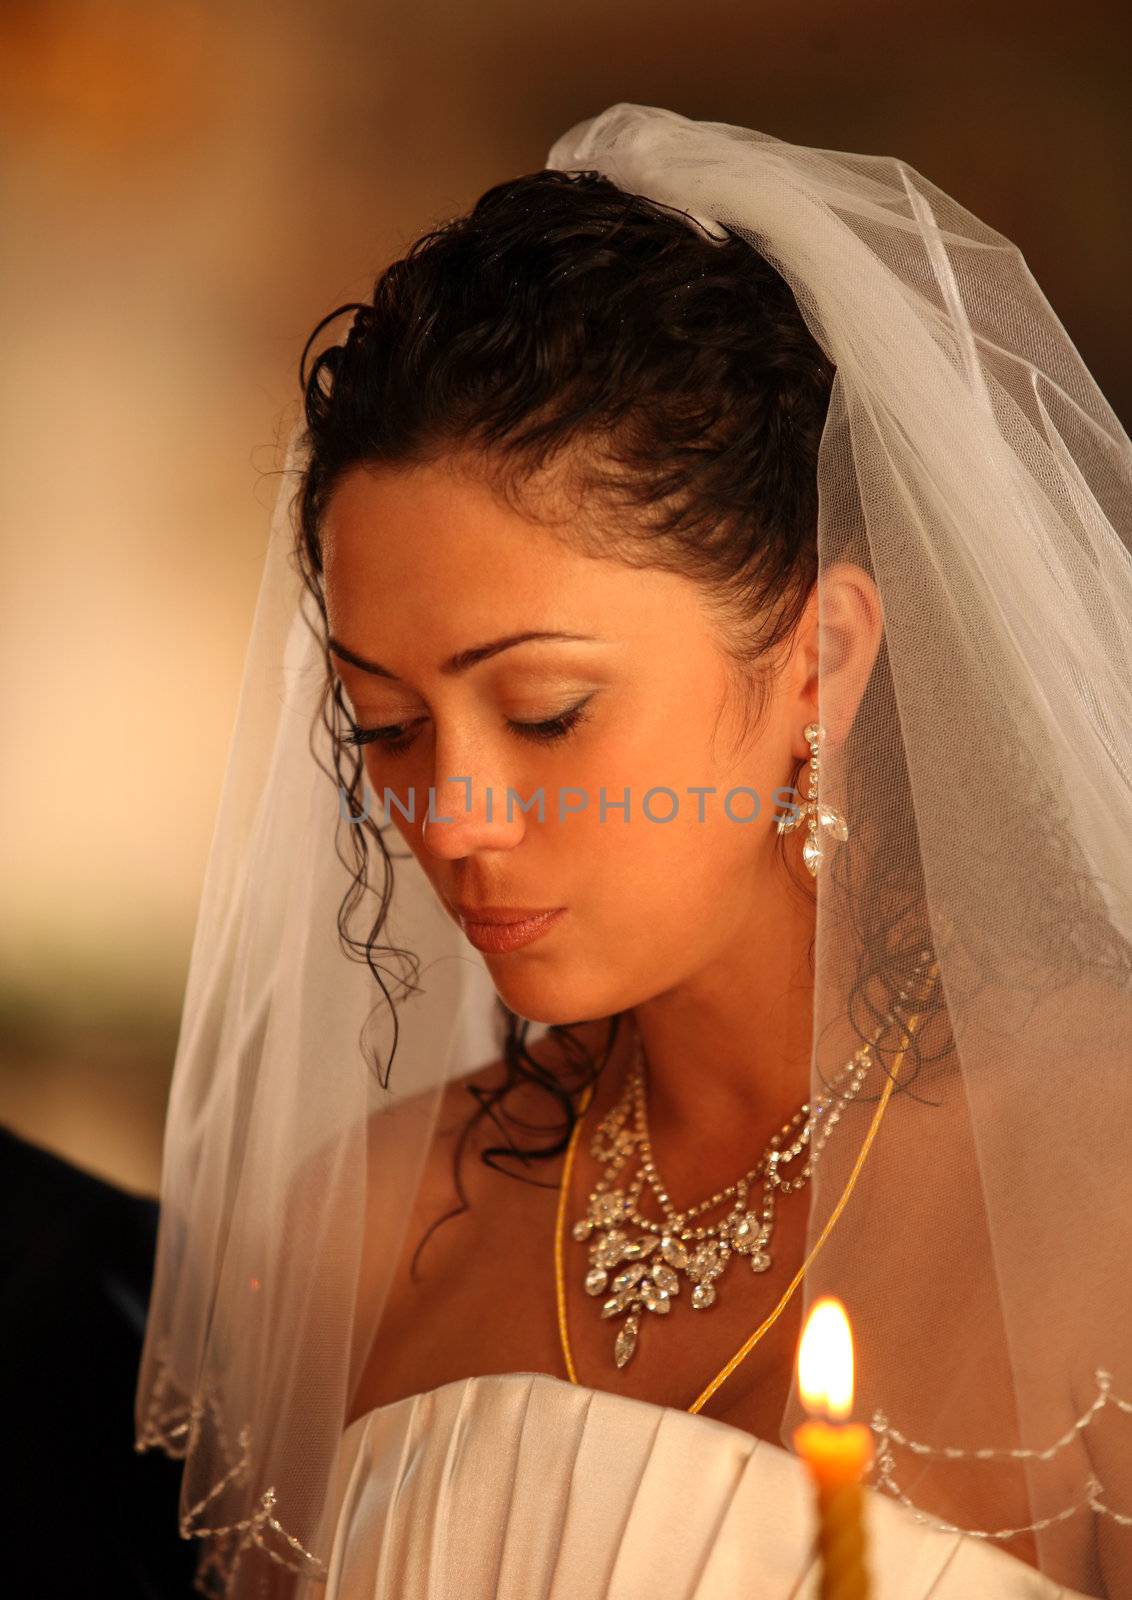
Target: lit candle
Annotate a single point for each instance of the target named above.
(836, 1452)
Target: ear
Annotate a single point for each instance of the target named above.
(838, 637)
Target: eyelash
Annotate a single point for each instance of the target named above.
(549, 731)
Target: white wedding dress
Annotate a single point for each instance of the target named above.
(523, 1486)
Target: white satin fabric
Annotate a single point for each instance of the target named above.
(522, 1486)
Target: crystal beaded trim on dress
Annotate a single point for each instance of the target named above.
(887, 1435)
(175, 1431)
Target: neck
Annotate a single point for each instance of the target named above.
(728, 1052)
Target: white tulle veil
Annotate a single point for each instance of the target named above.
(970, 460)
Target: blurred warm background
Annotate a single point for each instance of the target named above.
(187, 188)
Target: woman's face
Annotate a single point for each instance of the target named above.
(425, 566)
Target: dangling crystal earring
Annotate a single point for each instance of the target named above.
(812, 811)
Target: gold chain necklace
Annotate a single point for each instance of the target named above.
(745, 1349)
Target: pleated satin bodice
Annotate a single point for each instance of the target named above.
(522, 1486)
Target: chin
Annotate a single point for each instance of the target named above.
(545, 1002)
(556, 997)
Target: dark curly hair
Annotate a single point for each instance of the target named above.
(563, 323)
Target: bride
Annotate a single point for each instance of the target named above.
(700, 621)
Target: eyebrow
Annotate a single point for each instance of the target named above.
(463, 659)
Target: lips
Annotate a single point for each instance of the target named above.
(500, 916)
(497, 937)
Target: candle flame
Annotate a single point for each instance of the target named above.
(825, 1360)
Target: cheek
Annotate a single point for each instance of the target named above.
(660, 873)
(656, 901)
(685, 763)
(704, 859)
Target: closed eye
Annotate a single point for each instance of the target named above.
(395, 738)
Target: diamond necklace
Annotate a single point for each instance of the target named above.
(701, 1252)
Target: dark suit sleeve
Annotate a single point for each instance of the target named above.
(84, 1513)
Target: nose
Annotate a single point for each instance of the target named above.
(464, 814)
